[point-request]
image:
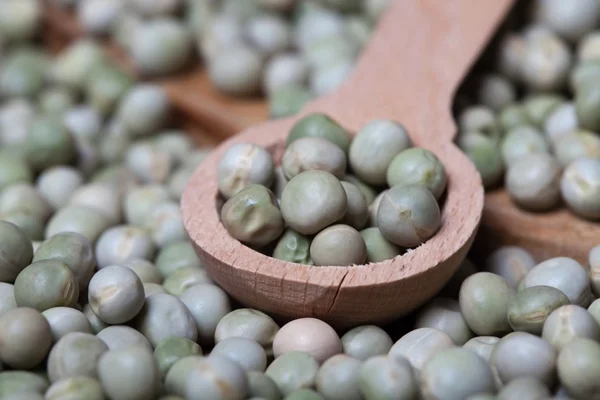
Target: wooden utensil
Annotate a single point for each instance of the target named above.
(409, 73)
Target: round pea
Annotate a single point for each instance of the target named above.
(386, 377)
(420, 345)
(77, 387)
(320, 125)
(357, 211)
(564, 274)
(46, 284)
(75, 354)
(18, 382)
(48, 144)
(366, 341)
(216, 377)
(57, 184)
(524, 388)
(7, 297)
(117, 369)
(374, 147)
(96, 323)
(144, 109)
(587, 99)
(120, 243)
(175, 380)
(242, 165)
(172, 349)
(533, 181)
(482, 346)
(378, 247)
(309, 335)
(258, 205)
(25, 338)
(139, 201)
(338, 245)
(568, 323)
(121, 336)
(510, 262)
(408, 215)
(293, 247)
(166, 224)
(578, 368)
(444, 314)
(531, 306)
(237, 70)
(260, 386)
(484, 299)
(176, 255)
(418, 166)
(79, 219)
(16, 251)
(521, 354)
(456, 374)
(580, 187)
(65, 320)
(312, 201)
(479, 119)
(310, 153)
(576, 145)
(522, 141)
(293, 371)
(25, 198)
(145, 270)
(247, 353)
(158, 308)
(207, 304)
(288, 100)
(484, 153)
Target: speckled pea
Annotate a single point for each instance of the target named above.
(484, 298)
(248, 323)
(73, 249)
(25, 338)
(77, 387)
(244, 164)
(158, 308)
(382, 377)
(578, 368)
(444, 314)
(293, 247)
(176, 255)
(184, 278)
(337, 378)
(418, 166)
(293, 371)
(482, 346)
(408, 215)
(312, 201)
(420, 345)
(531, 306)
(129, 374)
(45, 284)
(139, 201)
(207, 304)
(510, 262)
(455, 374)
(252, 216)
(171, 350)
(216, 377)
(564, 274)
(63, 320)
(521, 354)
(580, 187)
(16, 251)
(338, 245)
(567, 323)
(121, 336)
(123, 242)
(116, 294)
(366, 341)
(320, 125)
(75, 354)
(374, 147)
(247, 353)
(79, 219)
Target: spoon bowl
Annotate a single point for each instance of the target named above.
(409, 72)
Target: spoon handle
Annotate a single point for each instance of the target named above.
(419, 53)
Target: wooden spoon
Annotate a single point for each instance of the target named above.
(409, 72)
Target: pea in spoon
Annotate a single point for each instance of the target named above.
(408, 72)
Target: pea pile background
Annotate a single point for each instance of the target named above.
(103, 297)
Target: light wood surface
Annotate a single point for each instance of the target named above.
(409, 72)
(190, 91)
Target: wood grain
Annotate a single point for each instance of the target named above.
(409, 72)
(190, 91)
